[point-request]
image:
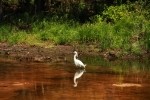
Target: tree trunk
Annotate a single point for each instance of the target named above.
(1, 10)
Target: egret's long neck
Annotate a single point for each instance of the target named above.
(75, 56)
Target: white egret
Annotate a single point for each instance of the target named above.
(77, 75)
(77, 61)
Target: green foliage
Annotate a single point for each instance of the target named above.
(129, 27)
(54, 31)
(17, 37)
(115, 13)
(5, 31)
(147, 36)
(8, 34)
(11, 1)
(88, 33)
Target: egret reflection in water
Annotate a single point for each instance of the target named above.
(77, 75)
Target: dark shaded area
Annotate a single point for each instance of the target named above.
(79, 10)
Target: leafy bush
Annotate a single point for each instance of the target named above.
(115, 13)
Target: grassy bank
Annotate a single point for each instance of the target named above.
(117, 29)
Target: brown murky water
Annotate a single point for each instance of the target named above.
(62, 81)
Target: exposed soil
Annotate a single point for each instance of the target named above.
(23, 52)
(32, 53)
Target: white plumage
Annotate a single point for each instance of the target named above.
(77, 75)
(77, 61)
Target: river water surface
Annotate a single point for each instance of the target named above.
(100, 80)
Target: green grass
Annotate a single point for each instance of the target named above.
(122, 35)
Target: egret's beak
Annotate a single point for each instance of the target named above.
(75, 53)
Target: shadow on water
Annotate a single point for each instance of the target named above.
(102, 80)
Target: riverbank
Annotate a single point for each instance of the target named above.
(59, 53)
(118, 32)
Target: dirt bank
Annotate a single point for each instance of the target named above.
(23, 52)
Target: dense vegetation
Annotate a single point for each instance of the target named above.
(122, 25)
